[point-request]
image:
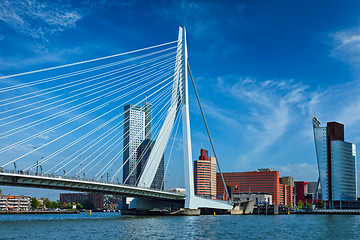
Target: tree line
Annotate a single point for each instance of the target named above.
(48, 204)
(305, 205)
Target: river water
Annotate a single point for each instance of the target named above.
(115, 226)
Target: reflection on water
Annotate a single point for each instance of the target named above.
(115, 226)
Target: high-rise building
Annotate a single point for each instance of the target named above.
(134, 134)
(205, 175)
(213, 176)
(336, 163)
(138, 144)
(144, 151)
(148, 120)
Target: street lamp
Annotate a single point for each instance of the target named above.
(79, 168)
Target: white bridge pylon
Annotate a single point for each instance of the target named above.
(179, 101)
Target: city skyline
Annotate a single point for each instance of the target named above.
(261, 69)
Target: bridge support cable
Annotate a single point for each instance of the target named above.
(111, 119)
(103, 105)
(81, 90)
(162, 140)
(87, 61)
(208, 132)
(150, 95)
(118, 155)
(134, 168)
(159, 99)
(87, 112)
(166, 127)
(120, 168)
(163, 81)
(121, 152)
(84, 149)
(68, 102)
(78, 81)
(137, 180)
(177, 123)
(88, 102)
(146, 147)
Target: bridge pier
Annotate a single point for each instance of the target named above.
(151, 204)
(202, 206)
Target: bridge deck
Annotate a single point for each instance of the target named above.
(83, 185)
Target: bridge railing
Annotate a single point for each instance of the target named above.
(20, 172)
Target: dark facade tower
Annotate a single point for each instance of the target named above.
(126, 140)
(335, 131)
(148, 120)
(144, 152)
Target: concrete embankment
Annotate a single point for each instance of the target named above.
(39, 212)
(330, 212)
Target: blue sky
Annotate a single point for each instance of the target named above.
(262, 68)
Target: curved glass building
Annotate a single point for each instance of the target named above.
(336, 161)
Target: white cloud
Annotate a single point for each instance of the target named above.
(339, 102)
(221, 114)
(37, 19)
(347, 45)
(54, 57)
(273, 105)
(300, 172)
(275, 119)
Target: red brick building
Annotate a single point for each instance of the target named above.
(286, 194)
(305, 192)
(205, 174)
(97, 199)
(264, 180)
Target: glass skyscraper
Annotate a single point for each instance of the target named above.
(134, 134)
(137, 144)
(336, 163)
(144, 151)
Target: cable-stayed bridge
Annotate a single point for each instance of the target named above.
(81, 126)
